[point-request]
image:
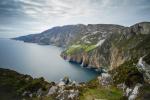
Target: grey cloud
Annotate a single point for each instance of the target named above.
(43, 14)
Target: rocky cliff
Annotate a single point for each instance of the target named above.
(111, 50)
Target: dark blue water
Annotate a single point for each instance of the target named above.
(40, 61)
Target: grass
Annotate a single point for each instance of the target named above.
(72, 49)
(94, 91)
(111, 93)
(79, 48)
(89, 48)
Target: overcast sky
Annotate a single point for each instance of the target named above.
(21, 17)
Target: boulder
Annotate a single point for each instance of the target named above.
(132, 93)
(105, 79)
(52, 90)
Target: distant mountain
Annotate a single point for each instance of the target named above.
(66, 35)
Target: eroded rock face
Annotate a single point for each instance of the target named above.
(116, 58)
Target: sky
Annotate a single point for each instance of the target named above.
(22, 17)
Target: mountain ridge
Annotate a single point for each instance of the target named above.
(52, 35)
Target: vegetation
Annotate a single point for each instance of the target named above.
(15, 84)
(110, 93)
(79, 48)
(127, 73)
(95, 91)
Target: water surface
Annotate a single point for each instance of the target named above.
(40, 61)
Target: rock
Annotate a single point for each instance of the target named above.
(27, 79)
(134, 92)
(24, 93)
(122, 86)
(66, 80)
(74, 83)
(73, 94)
(52, 90)
(105, 79)
(144, 68)
(61, 84)
(27, 94)
(128, 92)
(68, 95)
(39, 92)
(31, 95)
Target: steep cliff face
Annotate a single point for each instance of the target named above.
(117, 47)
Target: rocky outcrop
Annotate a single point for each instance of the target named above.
(131, 93)
(144, 68)
(105, 79)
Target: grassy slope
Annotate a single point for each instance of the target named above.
(81, 48)
(94, 91)
(111, 93)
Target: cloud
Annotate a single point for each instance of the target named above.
(38, 15)
(59, 12)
